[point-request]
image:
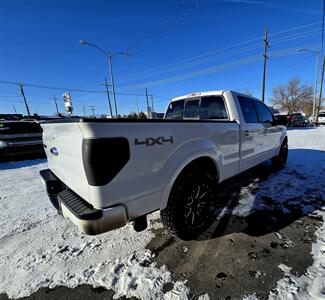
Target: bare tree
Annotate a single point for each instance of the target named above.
(293, 97)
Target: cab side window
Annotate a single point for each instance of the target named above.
(248, 109)
(264, 114)
(175, 110)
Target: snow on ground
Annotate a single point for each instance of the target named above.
(300, 183)
(38, 248)
(302, 188)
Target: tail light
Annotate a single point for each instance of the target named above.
(104, 158)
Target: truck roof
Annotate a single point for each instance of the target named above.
(210, 93)
(199, 94)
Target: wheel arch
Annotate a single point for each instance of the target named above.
(284, 139)
(203, 161)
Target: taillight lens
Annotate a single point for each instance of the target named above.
(104, 158)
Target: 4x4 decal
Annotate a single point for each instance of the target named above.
(150, 141)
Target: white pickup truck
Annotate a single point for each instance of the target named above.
(104, 173)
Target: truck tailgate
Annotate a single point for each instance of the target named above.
(63, 147)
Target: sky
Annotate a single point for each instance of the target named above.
(176, 46)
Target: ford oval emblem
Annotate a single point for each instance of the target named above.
(54, 151)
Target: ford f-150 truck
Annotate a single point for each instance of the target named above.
(104, 173)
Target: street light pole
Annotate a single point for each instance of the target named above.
(315, 88)
(109, 57)
(316, 53)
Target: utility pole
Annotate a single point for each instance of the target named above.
(320, 90)
(14, 109)
(152, 109)
(136, 99)
(93, 109)
(266, 45)
(84, 110)
(56, 105)
(26, 105)
(148, 108)
(112, 80)
(109, 99)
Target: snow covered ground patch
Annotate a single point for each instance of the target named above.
(300, 184)
(38, 248)
(297, 189)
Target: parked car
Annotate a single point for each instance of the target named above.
(104, 173)
(20, 137)
(296, 119)
(10, 117)
(321, 118)
(282, 119)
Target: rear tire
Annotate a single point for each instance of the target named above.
(279, 161)
(190, 208)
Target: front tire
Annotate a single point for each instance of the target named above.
(190, 208)
(279, 161)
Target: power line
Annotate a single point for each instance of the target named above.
(224, 49)
(169, 29)
(63, 88)
(294, 28)
(203, 61)
(92, 77)
(221, 55)
(223, 67)
(161, 23)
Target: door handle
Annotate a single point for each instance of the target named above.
(246, 132)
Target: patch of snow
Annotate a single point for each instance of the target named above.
(41, 249)
(250, 297)
(300, 184)
(179, 292)
(204, 297)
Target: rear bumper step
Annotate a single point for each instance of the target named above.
(89, 220)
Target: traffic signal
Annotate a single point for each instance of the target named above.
(67, 102)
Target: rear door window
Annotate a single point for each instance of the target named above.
(192, 109)
(248, 109)
(213, 107)
(264, 113)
